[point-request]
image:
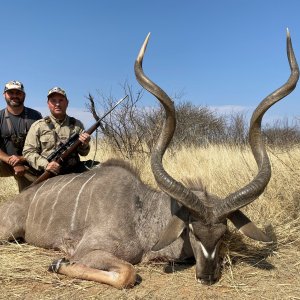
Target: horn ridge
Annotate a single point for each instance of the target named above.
(255, 188)
(168, 184)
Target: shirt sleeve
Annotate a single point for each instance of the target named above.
(82, 150)
(31, 150)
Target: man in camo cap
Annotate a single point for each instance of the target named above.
(47, 134)
(15, 121)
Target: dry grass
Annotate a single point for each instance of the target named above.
(251, 270)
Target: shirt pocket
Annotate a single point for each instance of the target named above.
(47, 142)
(63, 138)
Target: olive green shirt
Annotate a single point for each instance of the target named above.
(42, 140)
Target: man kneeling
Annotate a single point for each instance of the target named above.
(47, 134)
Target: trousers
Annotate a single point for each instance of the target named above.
(22, 181)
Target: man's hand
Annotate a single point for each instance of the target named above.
(19, 170)
(15, 160)
(53, 167)
(84, 138)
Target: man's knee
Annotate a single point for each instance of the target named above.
(6, 170)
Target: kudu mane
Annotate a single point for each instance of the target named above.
(113, 162)
(195, 184)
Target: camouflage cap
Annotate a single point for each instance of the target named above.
(57, 90)
(14, 85)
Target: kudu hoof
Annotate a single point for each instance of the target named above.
(56, 264)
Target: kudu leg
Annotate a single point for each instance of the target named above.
(98, 266)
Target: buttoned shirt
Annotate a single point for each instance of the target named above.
(42, 140)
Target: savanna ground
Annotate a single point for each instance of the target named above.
(251, 270)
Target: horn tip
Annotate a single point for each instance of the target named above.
(147, 38)
(288, 33)
(143, 49)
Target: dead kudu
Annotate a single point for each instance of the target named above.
(107, 219)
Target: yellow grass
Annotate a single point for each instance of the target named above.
(251, 270)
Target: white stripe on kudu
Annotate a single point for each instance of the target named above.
(58, 198)
(77, 200)
(37, 198)
(206, 254)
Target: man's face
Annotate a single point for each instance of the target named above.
(58, 104)
(14, 98)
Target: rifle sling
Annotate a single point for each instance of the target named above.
(51, 126)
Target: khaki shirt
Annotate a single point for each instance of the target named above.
(41, 140)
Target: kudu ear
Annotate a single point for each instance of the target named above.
(173, 230)
(247, 227)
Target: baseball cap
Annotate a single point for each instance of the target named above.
(58, 90)
(14, 85)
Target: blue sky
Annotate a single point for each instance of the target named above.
(225, 54)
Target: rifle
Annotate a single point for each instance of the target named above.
(65, 149)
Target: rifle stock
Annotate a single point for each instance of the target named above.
(70, 149)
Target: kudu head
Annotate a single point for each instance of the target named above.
(200, 213)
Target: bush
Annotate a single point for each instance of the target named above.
(131, 130)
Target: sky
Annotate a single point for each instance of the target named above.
(224, 54)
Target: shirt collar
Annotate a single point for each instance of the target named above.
(59, 121)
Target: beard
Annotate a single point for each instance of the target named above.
(15, 101)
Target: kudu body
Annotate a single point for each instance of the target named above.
(107, 219)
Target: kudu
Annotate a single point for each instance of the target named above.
(107, 219)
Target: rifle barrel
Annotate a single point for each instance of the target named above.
(96, 125)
